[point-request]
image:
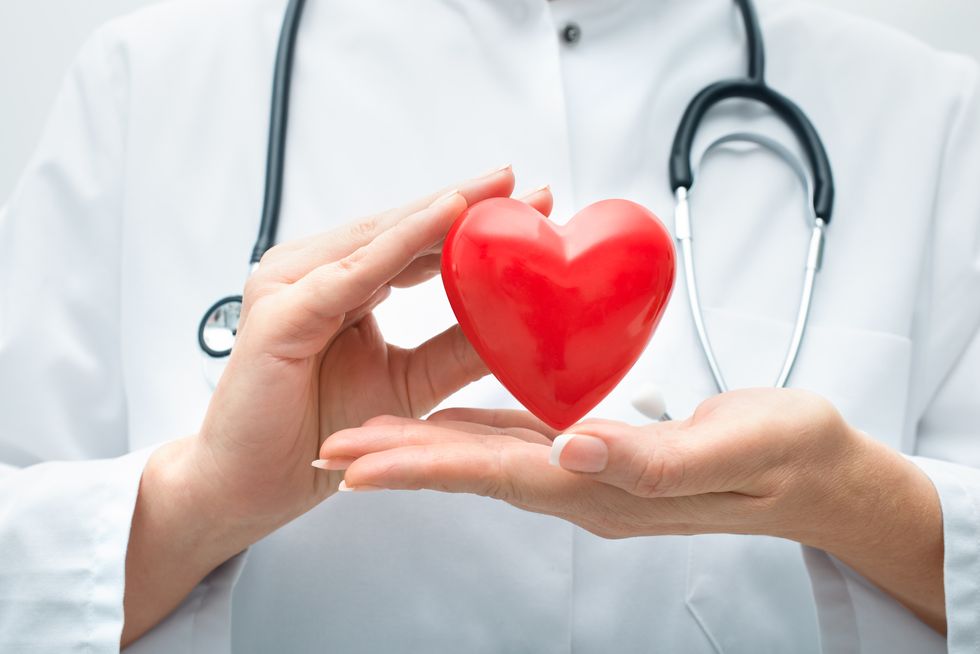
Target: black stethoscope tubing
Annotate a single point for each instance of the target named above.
(753, 87)
(275, 166)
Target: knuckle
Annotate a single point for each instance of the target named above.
(271, 255)
(653, 474)
(364, 228)
(255, 287)
(463, 355)
(352, 262)
(495, 482)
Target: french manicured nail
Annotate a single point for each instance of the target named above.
(494, 171)
(344, 488)
(540, 189)
(579, 453)
(339, 463)
(445, 197)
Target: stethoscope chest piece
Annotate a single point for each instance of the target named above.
(219, 326)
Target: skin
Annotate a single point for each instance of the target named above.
(771, 462)
(781, 463)
(308, 346)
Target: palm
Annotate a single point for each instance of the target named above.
(361, 376)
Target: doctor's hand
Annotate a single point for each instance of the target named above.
(775, 462)
(309, 359)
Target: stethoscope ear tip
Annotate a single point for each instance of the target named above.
(650, 401)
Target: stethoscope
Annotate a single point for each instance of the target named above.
(649, 399)
(219, 325)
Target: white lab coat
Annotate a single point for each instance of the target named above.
(142, 203)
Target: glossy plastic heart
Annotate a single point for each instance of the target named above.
(559, 313)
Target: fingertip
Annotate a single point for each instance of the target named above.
(557, 447)
(499, 183)
(363, 473)
(334, 464)
(579, 453)
(453, 201)
(447, 415)
(542, 199)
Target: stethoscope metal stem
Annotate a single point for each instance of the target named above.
(683, 234)
(813, 262)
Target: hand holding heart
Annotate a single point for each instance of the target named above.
(309, 360)
(754, 462)
(771, 462)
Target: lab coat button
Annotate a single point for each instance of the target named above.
(571, 33)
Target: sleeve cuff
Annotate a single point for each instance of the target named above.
(202, 622)
(959, 494)
(64, 531)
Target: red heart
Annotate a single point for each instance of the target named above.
(558, 313)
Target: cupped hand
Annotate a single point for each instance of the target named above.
(745, 462)
(310, 359)
(774, 462)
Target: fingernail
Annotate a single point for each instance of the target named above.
(494, 171)
(339, 463)
(445, 197)
(344, 488)
(579, 453)
(540, 189)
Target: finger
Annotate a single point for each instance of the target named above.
(358, 314)
(497, 418)
(498, 183)
(655, 461)
(289, 262)
(440, 367)
(301, 318)
(511, 471)
(519, 473)
(388, 433)
(541, 199)
(421, 270)
(426, 267)
(336, 287)
(526, 435)
(522, 433)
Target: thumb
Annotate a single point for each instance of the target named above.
(659, 460)
(440, 367)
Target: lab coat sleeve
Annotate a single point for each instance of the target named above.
(942, 434)
(946, 398)
(68, 482)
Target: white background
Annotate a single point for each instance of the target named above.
(38, 39)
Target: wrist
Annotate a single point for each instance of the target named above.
(176, 492)
(877, 498)
(888, 527)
